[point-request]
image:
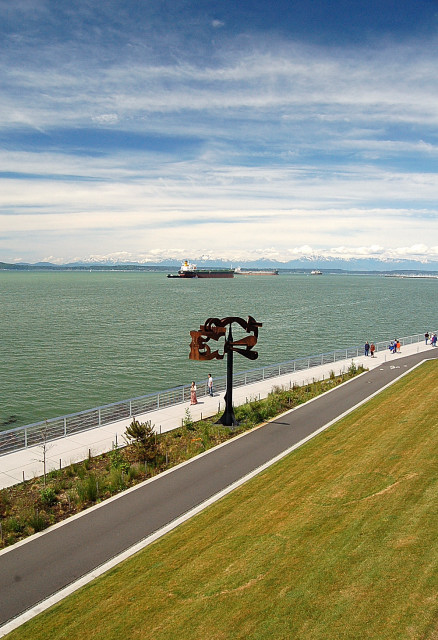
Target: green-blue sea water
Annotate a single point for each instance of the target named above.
(75, 340)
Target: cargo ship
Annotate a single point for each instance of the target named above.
(242, 272)
(190, 270)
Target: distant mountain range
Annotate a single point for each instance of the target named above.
(331, 265)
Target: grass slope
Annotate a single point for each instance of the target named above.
(338, 540)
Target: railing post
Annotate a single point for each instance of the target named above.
(25, 438)
(130, 408)
(100, 418)
(158, 400)
(65, 426)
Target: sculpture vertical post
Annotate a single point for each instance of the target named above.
(228, 418)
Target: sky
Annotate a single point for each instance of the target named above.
(153, 131)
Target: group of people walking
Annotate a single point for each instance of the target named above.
(432, 337)
(370, 349)
(193, 398)
(394, 347)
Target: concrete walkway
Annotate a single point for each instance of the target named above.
(27, 463)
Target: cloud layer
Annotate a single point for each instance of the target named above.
(234, 143)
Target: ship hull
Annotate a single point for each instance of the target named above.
(203, 274)
(257, 273)
(208, 274)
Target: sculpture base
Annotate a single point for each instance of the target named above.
(228, 419)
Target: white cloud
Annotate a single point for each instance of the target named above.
(287, 144)
(383, 84)
(106, 118)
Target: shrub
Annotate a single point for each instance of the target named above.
(134, 471)
(116, 481)
(205, 436)
(13, 525)
(117, 460)
(273, 404)
(63, 483)
(188, 421)
(88, 489)
(71, 470)
(142, 437)
(81, 470)
(48, 496)
(72, 497)
(38, 520)
(352, 369)
(5, 500)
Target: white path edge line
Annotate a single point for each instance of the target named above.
(110, 564)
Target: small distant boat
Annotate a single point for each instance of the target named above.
(242, 272)
(316, 272)
(190, 270)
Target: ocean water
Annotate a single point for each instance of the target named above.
(74, 340)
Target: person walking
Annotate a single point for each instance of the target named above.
(367, 348)
(426, 336)
(434, 339)
(193, 398)
(398, 345)
(372, 349)
(210, 385)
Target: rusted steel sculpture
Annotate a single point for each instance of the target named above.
(214, 329)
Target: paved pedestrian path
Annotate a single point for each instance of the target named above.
(46, 567)
(28, 463)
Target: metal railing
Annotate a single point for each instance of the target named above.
(54, 428)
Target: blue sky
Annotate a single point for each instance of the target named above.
(150, 131)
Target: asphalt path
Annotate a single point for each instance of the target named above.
(33, 571)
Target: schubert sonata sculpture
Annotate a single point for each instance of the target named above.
(215, 329)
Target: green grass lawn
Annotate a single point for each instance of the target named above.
(338, 540)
